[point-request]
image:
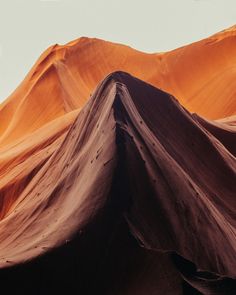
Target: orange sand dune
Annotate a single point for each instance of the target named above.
(109, 185)
(201, 75)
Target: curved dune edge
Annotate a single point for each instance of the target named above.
(135, 169)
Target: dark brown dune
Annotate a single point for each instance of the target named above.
(138, 197)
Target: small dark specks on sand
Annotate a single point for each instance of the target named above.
(141, 147)
(97, 125)
(99, 150)
(91, 161)
(141, 122)
(153, 144)
(104, 164)
(97, 157)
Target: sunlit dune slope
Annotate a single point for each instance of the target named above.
(201, 76)
(138, 188)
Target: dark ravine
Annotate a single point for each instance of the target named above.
(138, 199)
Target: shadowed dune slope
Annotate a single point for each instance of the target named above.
(136, 198)
(201, 76)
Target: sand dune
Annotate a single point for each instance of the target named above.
(110, 185)
(196, 75)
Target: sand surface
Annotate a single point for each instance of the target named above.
(111, 185)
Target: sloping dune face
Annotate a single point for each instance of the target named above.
(138, 197)
(109, 184)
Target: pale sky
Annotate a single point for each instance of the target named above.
(28, 27)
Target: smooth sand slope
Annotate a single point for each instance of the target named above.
(201, 76)
(123, 192)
